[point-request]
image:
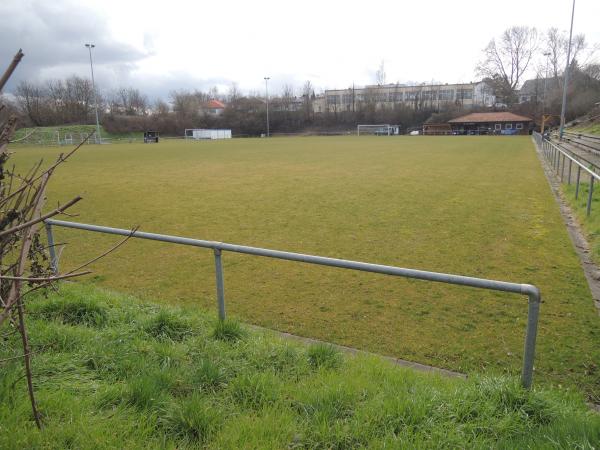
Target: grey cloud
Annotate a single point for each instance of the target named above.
(52, 36)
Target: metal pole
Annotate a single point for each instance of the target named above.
(547, 55)
(589, 203)
(566, 80)
(267, 95)
(98, 136)
(530, 338)
(51, 249)
(562, 171)
(531, 291)
(577, 184)
(570, 165)
(220, 285)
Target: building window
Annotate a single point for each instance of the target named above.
(519, 126)
(332, 100)
(464, 94)
(508, 126)
(447, 94)
(498, 126)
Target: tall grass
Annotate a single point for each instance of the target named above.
(121, 386)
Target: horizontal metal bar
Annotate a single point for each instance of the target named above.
(482, 283)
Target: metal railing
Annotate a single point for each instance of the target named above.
(554, 155)
(533, 293)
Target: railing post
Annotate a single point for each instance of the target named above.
(220, 286)
(577, 184)
(51, 249)
(562, 170)
(570, 165)
(530, 337)
(589, 202)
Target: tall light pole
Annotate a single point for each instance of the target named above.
(547, 55)
(566, 80)
(267, 95)
(98, 136)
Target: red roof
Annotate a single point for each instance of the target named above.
(215, 104)
(491, 117)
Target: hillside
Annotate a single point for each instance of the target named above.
(112, 372)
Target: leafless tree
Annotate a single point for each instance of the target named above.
(161, 108)
(557, 44)
(234, 93)
(287, 96)
(31, 101)
(506, 60)
(185, 104)
(24, 265)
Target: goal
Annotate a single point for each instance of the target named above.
(378, 130)
(204, 133)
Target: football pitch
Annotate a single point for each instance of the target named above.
(477, 206)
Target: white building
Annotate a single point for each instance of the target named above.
(434, 96)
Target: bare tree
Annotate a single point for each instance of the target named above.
(31, 102)
(161, 108)
(132, 102)
(557, 44)
(24, 263)
(507, 59)
(308, 94)
(287, 96)
(185, 104)
(234, 93)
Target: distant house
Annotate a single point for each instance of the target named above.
(491, 123)
(214, 107)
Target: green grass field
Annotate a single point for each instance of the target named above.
(476, 206)
(112, 372)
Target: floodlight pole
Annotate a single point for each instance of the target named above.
(267, 95)
(547, 55)
(98, 136)
(566, 80)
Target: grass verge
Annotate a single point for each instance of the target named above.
(121, 386)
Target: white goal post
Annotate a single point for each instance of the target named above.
(378, 130)
(204, 133)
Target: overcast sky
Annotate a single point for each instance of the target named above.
(160, 46)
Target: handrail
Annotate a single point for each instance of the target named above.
(582, 135)
(531, 291)
(553, 154)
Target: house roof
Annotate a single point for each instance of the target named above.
(491, 117)
(215, 104)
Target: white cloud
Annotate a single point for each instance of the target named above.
(162, 46)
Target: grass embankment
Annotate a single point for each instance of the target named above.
(111, 372)
(591, 223)
(470, 205)
(593, 128)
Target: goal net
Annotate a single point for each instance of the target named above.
(377, 130)
(204, 133)
(47, 136)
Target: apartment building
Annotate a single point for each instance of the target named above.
(433, 96)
